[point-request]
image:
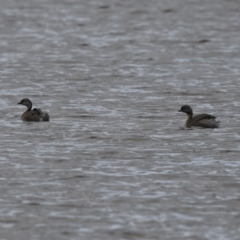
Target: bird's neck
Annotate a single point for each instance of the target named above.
(29, 107)
(188, 120)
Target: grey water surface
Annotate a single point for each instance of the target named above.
(114, 161)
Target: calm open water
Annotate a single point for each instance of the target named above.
(113, 162)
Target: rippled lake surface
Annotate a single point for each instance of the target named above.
(114, 161)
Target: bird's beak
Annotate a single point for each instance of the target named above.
(19, 103)
(180, 110)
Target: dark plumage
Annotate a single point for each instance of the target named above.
(35, 115)
(201, 120)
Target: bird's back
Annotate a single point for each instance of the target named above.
(35, 115)
(204, 120)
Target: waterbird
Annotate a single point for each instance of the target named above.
(202, 120)
(33, 115)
